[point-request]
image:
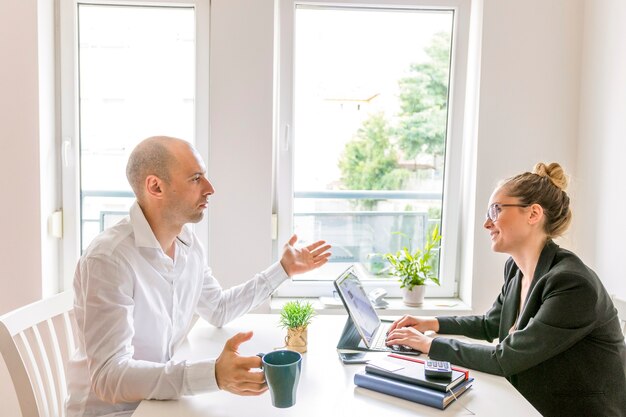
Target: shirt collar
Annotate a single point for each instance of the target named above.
(144, 236)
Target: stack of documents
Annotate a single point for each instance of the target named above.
(404, 377)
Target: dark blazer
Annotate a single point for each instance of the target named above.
(567, 356)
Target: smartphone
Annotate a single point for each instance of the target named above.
(351, 357)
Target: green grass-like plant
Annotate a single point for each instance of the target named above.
(296, 314)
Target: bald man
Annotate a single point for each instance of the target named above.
(140, 282)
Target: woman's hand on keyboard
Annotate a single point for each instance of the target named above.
(421, 324)
(411, 337)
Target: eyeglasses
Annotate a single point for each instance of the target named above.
(494, 210)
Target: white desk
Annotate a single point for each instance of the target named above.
(326, 385)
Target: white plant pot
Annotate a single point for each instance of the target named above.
(415, 297)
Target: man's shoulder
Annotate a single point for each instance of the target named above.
(114, 239)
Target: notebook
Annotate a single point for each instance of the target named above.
(413, 373)
(364, 330)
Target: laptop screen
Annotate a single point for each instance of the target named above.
(358, 304)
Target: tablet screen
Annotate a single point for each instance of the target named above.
(358, 305)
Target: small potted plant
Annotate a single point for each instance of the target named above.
(415, 268)
(295, 317)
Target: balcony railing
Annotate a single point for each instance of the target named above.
(355, 235)
(362, 235)
(369, 195)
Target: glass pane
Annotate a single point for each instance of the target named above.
(371, 106)
(137, 79)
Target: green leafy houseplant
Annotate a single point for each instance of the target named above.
(415, 268)
(296, 316)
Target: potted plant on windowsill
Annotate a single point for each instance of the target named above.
(415, 268)
(296, 316)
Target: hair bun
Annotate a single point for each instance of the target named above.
(554, 172)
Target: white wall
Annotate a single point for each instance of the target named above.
(28, 162)
(602, 144)
(240, 143)
(528, 112)
(20, 246)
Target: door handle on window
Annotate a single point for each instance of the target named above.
(67, 143)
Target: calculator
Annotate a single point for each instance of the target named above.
(437, 369)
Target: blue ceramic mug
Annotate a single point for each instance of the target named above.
(282, 372)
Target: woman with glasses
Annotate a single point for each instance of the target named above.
(559, 337)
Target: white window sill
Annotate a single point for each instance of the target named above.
(431, 307)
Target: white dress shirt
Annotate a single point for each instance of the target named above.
(134, 306)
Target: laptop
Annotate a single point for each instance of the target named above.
(364, 330)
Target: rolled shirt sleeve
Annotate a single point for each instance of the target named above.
(219, 306)
(200, 377)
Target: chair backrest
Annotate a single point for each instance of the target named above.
(620, 305)
(36, 342)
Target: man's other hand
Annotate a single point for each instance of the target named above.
(234, 373)
(299, 260)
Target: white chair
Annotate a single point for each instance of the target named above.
(620, 305)
(36, 342)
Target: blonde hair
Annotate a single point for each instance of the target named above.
(545, 186)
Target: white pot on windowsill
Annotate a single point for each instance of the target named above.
(415, 296)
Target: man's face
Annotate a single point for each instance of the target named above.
(186, 195)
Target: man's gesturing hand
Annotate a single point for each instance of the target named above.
(233, 372)
(297, 261)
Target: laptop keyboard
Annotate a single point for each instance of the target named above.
(379, 343)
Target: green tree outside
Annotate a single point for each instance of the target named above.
(424, 102)
(370, 159)
(370, 162)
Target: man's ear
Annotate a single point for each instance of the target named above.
(536, 213)
(154, 186)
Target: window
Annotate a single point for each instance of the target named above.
(369, 133)
(130, 71)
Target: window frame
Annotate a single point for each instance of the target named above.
(450, 264)
(69, 141)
